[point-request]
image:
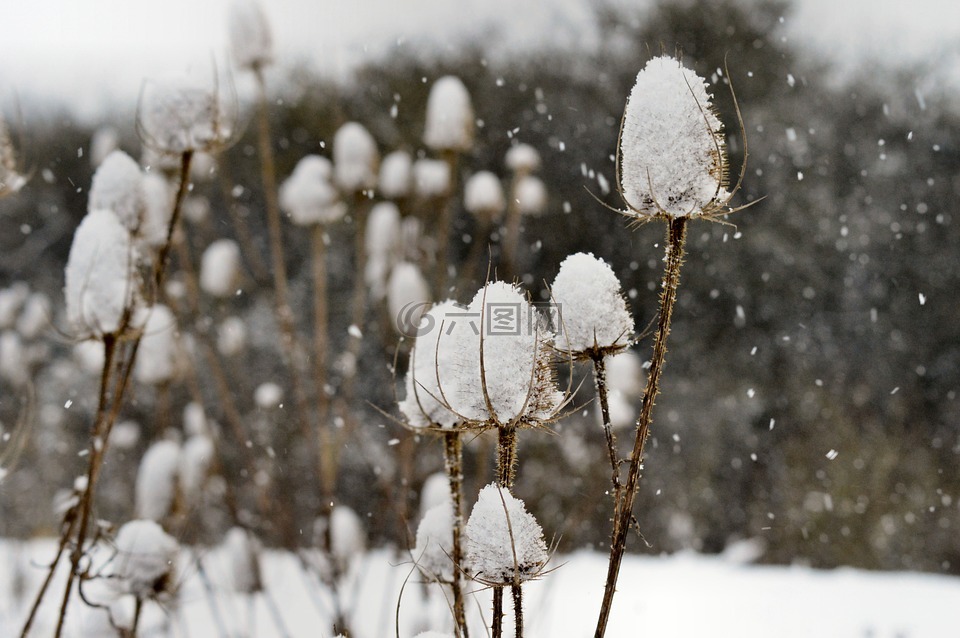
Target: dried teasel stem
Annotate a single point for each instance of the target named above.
(453, 457)
(600, 378)
(506, 472)
(324, 437)
(676, 236)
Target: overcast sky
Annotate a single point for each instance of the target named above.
(88, 53)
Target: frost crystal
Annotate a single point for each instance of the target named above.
(396, 175)
(101, 280)
(432, 371)
(431, 178)
(145, 559)
(449, 125)
(435, 543)
(355, 158)
(672, 149)
(501, 552)
(530, 194)
(220, 268)
(156, 488)
(408, 295)
(118, 186)
(250, 38)
(518, 377)
(522, 159)
(593, 314)
(157, 355)
(483, 196)
(308, 197)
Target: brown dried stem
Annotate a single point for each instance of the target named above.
(453, 456)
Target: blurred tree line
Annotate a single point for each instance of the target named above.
(810, 395)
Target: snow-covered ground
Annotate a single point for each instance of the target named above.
(679, 595)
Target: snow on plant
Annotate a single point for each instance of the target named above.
(178, 119)
(220, 268)
(145, 561)
(483, 196)
(11, 179)
(522, 159)
(408, 294)
(434, 549)
(592, 312)
(156, 486)
(382, 245)
(431, 178)
(196, 460)
(102, 285)
(347, 537)
(450, 122)
(504, 542)
(118, 186)
(158, 206)
(105, 140)
(672, 158)
(243, 553)
(433, 368)
(249, 32)
(157, 356)
(530, 194)
(231, 336)
(435, 491)
(268, 395)
(396, 175)
(355, 158)
(308, 197)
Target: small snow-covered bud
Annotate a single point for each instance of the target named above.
(382, 244)
(435, 490)
(157, 355)
(530, 194)
(196, 459)
(268, 395)
(355, 158)
(435, 543)
(101, 279)
(35, 316)
(243, 551)
(433, 368)
(431, 178)
(180, 119)
(518, 378)
(396, 175)
(249, 32)
(231, 336)
(308, 197)
(408, 296)
(195, 209)
(220, 268)
(105, 140)
(593, 313)
(124, 435)
(348, 539)
(195, 420)
(118, 186)
(449, 123)
(522, 159)
(158, 207)
(500, 553)
(145, 558)
(483, 196)
(156, 488)
(672, 149)
(11, 300)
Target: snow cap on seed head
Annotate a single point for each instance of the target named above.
(499, 552)
(672, 153)
(308, 197)
(396, 175)
(220, 268)
(157, 356)
(431, 178)
(522, 159)
(355, 158)
(593, 314)
(408, 295)
(433, 368)
(145, 559)
(194, 116)
(118, 186)
(434, 548)
(483, 196)
(250, 38)
(449, 125)
(156, 485)
(530, 194)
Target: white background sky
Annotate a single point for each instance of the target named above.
(87, 53)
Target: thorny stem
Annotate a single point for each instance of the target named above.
(453, 453)
(64, 541)
(506, 466)
(160, 266)
(282, 309)
(600, 377)
(676, 235)
(517, 591)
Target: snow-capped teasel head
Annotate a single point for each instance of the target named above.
(530, 195)
(449, 121)
(102, 285)
(156, 487)
(348, 538)
(178, 118)
(231, 336)
(408, 296)
(118, 186)
(504, 542)
(625, 374)
(396, 175)
(220, 268)
(590, 309)
(432, 372)
(522, 159)
(145, 561)
(355, 158)
(506, 373)
(431, 178)
(250, 41)
(672, 157)
(435, 490)
(434, 548)
(308, 197)
(483, 196)
(157, 356)
(383, 231)
(196, 459)
(105, 140)
(268, 395)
